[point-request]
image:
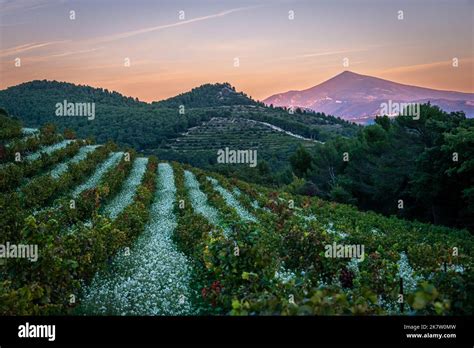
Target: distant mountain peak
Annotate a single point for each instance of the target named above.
(348, 73)
(359, 97)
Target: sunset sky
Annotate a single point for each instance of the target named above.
(169, 55)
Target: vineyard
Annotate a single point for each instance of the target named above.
(220, 132)
(121, 234)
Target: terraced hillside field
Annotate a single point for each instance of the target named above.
(235, 133)
(122, 234)
(202, 142)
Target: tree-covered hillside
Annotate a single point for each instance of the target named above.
(155, 128)
(208, 95)
(125, 120)
(418, 169)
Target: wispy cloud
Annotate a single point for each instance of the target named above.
(128, 34)
(27, 47)
(331, 52)
(25, 5)
(63, 54)
(326, 53)
(425, 66)
(110, 38)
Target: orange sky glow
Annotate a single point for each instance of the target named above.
(254, 45)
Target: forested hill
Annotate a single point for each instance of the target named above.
(219, 94)
(122, 119)
(57, 90)
(145, 126)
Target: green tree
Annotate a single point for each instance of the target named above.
(301, 162)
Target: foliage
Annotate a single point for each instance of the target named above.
(219, 94)
(251, 250)
(426, 163)
(160, 128)
(69, 258)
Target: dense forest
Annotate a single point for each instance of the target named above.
(418, 169)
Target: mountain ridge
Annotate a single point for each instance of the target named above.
(225, 88)
(355, 96)
(351, 73)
